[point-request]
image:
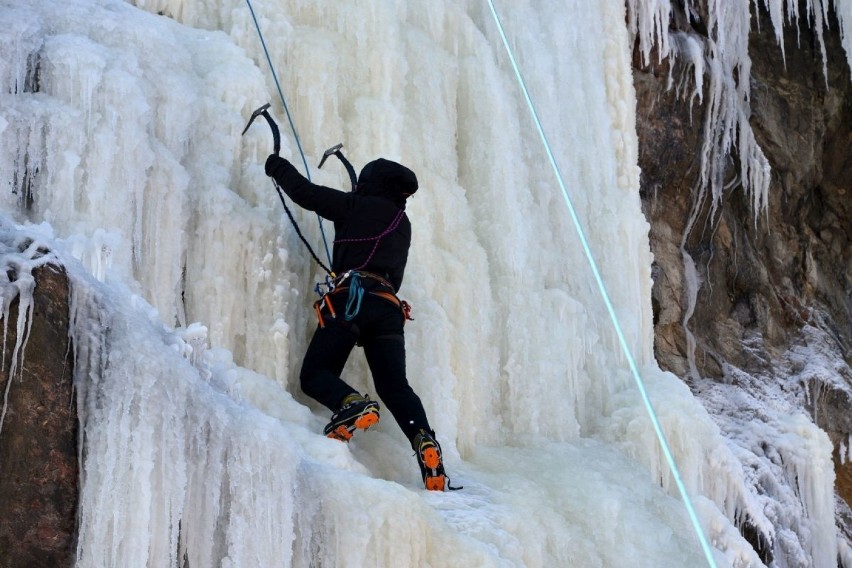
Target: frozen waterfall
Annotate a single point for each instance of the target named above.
(121, 152)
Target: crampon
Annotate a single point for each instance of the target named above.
(359, 414)
(431, 463)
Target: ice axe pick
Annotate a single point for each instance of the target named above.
(276, 135)
(335, 150)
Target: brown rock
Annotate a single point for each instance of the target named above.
(38, 442)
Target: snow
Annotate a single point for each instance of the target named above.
(122, 156)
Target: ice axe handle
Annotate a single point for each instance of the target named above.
(276, 135)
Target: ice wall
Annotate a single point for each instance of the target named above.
(121, 132)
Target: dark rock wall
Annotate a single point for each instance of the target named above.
(768, 283)
(38, 443)
(797, 256)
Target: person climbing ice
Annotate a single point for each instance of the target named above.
(372, 238)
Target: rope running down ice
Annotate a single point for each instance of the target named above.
(708, 553)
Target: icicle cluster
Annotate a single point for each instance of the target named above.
(723, 57)
(19, 256)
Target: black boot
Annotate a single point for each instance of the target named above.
(431, 462)
(357, 412)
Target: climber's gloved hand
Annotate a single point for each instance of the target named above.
(273, 163)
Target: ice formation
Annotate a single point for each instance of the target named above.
(120, 130)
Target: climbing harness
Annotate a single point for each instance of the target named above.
(353, 277)
(352, 282)
(293, 129)
(356, 291)
(708, 553)
(276, 145)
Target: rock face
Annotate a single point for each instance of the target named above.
(38, 442)
(775, 287)
(769, 275)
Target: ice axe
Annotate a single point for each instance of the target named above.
(335, 150)
(276, 146)
(276, 135)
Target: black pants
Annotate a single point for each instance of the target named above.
(378, 328)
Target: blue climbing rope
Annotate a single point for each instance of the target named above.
(289, 118)
(708, 553)
(356, 294)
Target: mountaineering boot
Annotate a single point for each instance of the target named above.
(428, 452)
(356, 412)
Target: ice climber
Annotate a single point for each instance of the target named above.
(372, 238)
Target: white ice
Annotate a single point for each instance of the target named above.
(191, 292)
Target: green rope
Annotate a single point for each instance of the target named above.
(708, 553)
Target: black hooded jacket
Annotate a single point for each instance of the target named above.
(369, 211)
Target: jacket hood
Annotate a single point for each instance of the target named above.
(385, 178)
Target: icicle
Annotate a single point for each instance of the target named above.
(649, 21)
(19, 256)
(848, 457)
(689, 48)
(806, 453)
(692, 284)
(20, 43)
(843, 10)
(194, 344)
